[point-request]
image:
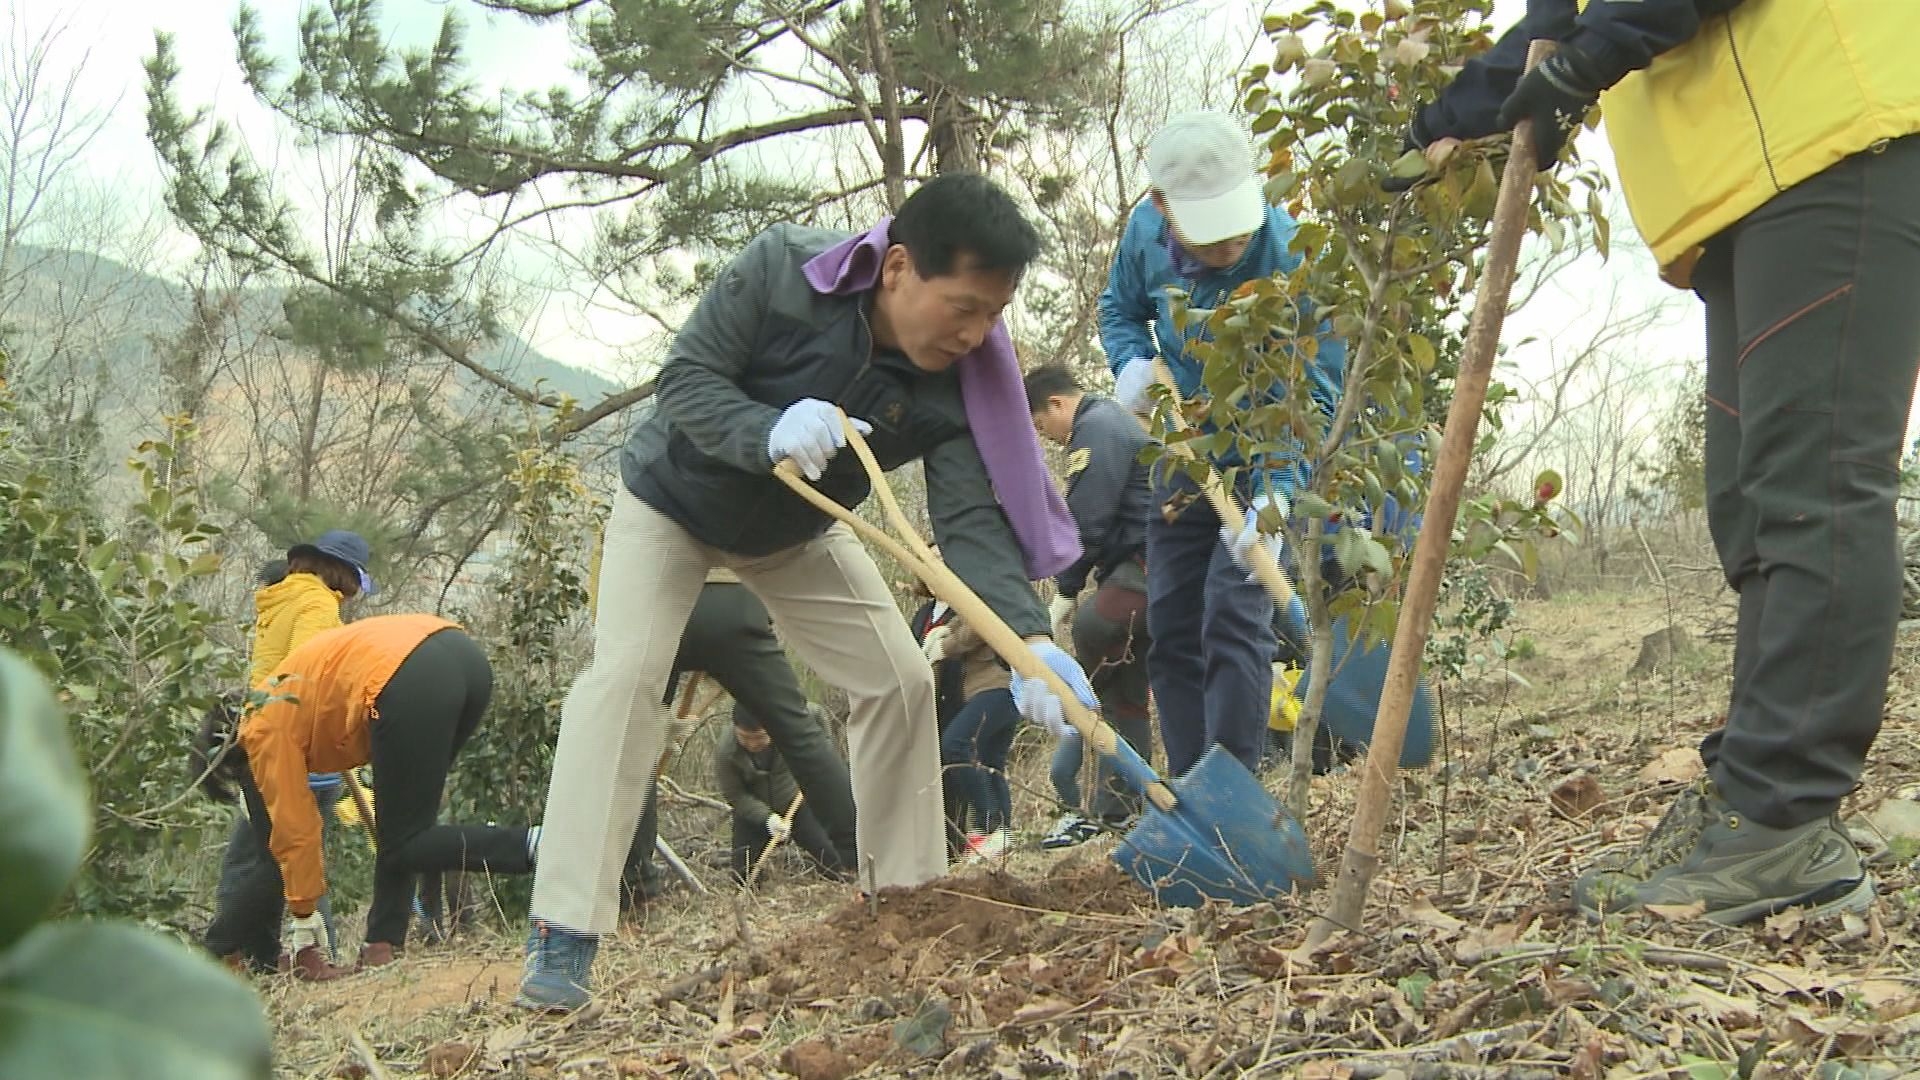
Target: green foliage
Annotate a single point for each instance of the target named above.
(102, 1000)
(106, 611)
(1391, 276)
(542, 591)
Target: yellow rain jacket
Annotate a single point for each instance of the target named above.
(1769, 94)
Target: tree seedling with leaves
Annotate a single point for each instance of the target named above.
(1391, 277)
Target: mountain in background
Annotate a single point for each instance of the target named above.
(91, 308)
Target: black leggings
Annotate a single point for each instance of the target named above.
(425, 715)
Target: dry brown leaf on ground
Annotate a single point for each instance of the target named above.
(450, 1059)
(1725, 1009)
(1679, 765)
(1422, 911)
(1785, 980)
(1678, 913)
(1045, 1007)
(1577, 796)
(1482, 942)
(1850, 1034)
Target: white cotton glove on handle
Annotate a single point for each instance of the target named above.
(809, 432)
(1060, 614)
(1038, 704)
(305, 932)
(1240, 544)
(1131, 385)
(777, 827)
(934, 646)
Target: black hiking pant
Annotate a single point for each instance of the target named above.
(730, 637)
(428, 711)
(750, 839)
(1813, 337)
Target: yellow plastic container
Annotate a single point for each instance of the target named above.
(1286, 706)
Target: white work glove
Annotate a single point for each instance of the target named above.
(809, 432)
(1240, 544)
(777, 827)
(1038, 704)
(934, 646)
(1131, 385)
(1060, 613)
(305, 932)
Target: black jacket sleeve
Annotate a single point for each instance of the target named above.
(1613, 37)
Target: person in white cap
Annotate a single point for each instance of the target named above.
(1206, 229)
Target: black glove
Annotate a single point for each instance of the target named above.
(1556, 95)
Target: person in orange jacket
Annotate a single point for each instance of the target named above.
(298, 596)
(404, 692)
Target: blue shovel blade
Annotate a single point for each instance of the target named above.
(1359, 677)
(1226, 840)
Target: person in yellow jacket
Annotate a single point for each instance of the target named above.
(298, 597)
(1770, 155)
(404, 692)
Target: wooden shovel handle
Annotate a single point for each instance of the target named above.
(912, 552)
(774, 841)
(1267, 569)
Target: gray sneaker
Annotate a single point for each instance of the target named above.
(1739, 869)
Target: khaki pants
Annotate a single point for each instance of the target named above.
(834, 610)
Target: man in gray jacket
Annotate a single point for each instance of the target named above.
(900, 328)
(1110, 495)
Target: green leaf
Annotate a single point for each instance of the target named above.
(109, 1001)
(102, 555)
(43, 808)
(1422, 351)
(1307, 504)
(1411, 165)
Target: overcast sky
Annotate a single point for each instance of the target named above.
(112, 37)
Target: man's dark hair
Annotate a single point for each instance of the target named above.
(956, 212)
(1046, 381)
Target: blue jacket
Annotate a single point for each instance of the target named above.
(1136, 314)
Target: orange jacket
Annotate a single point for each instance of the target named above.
(325, 692)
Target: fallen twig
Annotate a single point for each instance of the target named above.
(368, 1058)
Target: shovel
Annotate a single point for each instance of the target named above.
(1359, 676)
(1212, 834)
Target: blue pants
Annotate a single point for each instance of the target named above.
(1211, 660)
(975, 745)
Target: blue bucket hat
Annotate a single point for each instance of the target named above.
(348, 547)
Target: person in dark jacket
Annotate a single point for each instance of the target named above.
(1110, 495)
(900, 328)
(756, 783)
(1769, 152)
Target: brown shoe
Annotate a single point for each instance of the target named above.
(237, 963)
(311, 965)
(377, 954)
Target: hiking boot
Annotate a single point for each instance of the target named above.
(310, 964)
(559, 963)
(1668, 842)
(376, 954)
(1071, 830)
(1739, 869)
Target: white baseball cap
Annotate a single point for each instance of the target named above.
(1201, 163)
